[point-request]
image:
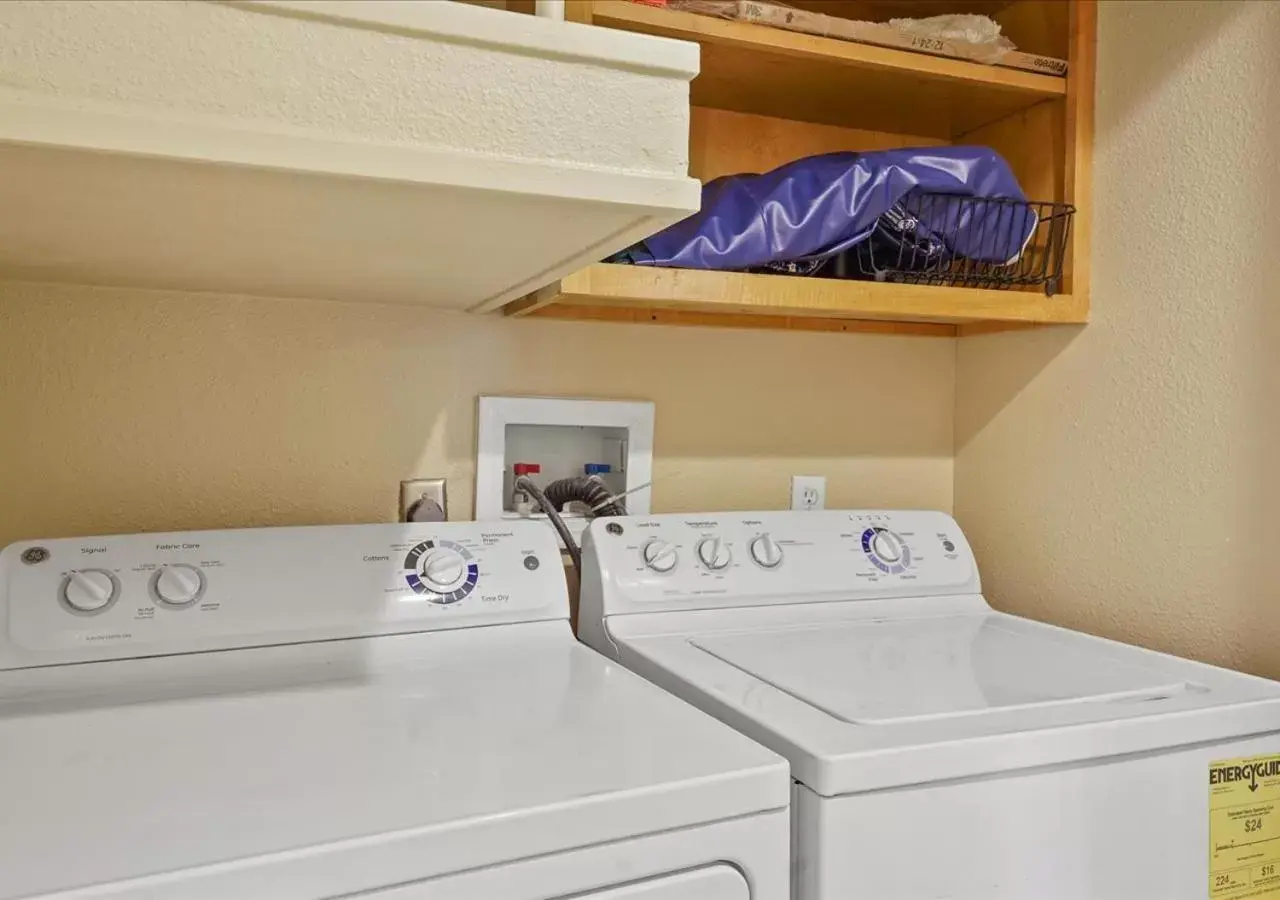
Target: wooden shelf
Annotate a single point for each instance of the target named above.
(768, 71)
(689, 296)
(767, 96)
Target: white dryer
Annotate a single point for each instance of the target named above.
(941, 749)
(389, 711)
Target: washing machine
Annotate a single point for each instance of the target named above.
(389, 711)
(939, 748)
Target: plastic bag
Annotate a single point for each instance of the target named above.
(979, 35)
(814, 208)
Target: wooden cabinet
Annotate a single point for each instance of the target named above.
(766, 96)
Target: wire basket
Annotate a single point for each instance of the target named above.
(957, 241)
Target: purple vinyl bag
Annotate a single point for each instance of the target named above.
(814, 208)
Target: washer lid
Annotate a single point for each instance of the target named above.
(858, 700)
(885, 672)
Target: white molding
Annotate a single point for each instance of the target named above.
(409, 178)
(513, 32)
(59, 125)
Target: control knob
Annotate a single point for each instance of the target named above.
(89, 590)
(443, 569)
(714, 553)
(178, 584)
(766, 552)
(660, 555)
(887, 545)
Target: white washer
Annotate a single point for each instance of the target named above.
(941, 749)
(398, 711)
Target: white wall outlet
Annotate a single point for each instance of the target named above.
(808, 491)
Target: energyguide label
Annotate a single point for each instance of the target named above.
(1244, 828)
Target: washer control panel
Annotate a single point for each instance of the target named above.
(74, 600)
(734, 559)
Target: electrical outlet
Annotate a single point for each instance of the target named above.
(419, 499)
(808, 491)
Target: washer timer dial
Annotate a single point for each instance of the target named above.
(886, 550)
(442, 572)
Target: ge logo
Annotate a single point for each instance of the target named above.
(33, 555)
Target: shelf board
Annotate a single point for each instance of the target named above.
(739, 320)
(768, 71)
(762, 297)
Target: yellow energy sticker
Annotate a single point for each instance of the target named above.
(1244, 828)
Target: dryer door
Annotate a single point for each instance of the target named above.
(714, 882)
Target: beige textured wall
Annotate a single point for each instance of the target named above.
(126, 410)
(1124, 478)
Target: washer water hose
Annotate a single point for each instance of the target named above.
(587, 490)
(525, 483)
(590, 491)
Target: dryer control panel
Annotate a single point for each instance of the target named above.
(700, 561)
(80, 599)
